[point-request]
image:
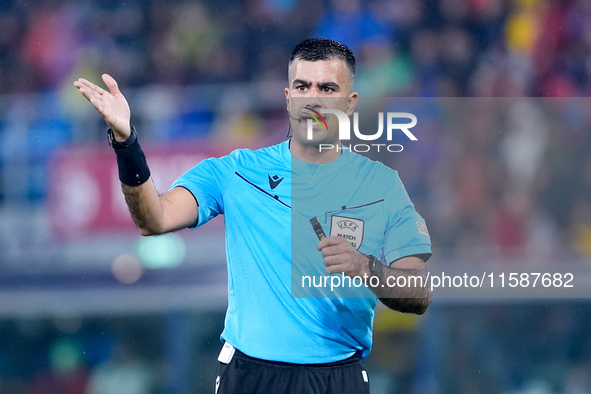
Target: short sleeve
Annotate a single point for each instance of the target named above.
(406, 231)
(208, 181)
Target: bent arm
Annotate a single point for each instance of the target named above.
(157, 214)
(403, 286)
(151, 212)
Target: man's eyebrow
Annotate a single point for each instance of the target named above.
(301, 82)
(321, 85)
(333, 85)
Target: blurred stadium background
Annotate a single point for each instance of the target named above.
(88, 306)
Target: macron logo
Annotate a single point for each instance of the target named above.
(274, 181)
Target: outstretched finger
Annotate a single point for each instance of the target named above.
(111, 84)
(91, 95)
(84, 83)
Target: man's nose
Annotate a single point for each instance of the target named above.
(313, 99)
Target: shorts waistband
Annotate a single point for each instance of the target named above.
(351, 360)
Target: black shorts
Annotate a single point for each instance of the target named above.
(248, 375)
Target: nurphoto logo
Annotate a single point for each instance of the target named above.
(345, 129)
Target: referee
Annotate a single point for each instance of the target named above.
(273, 342)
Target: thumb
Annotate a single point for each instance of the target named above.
(111, 84)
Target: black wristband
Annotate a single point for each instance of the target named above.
(131, 161)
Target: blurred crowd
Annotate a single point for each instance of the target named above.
(503, 179)
(199, 69)
(404, 47)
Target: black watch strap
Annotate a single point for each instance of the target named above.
(375, 266)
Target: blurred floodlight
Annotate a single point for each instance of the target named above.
(127, 268)
(64, 355)
(164, 251)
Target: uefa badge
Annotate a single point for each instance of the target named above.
(349, 228)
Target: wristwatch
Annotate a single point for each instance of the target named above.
(375, 266)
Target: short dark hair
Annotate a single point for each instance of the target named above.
(314, 49)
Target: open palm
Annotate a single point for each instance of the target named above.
(111, 105)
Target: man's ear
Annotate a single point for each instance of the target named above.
(352, 103)
(287, 97)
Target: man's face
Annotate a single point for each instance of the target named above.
(323, 84)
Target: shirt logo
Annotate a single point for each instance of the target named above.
(274, 181)
(349, 228)
(422, 229)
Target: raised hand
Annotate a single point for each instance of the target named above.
(111, 105)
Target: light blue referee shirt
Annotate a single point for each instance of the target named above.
(268, 197)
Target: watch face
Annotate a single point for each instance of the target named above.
(375, 266)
